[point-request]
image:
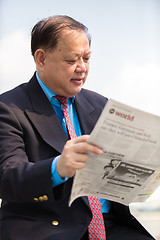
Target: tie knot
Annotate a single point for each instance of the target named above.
(61, 99)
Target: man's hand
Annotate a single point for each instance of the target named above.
(74, 156)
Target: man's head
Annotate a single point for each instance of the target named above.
(61, 49)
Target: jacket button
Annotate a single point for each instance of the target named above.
(35, 199)
(41, 199)
(55, 223)
(45, 198)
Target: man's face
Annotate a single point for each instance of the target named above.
(66, 68)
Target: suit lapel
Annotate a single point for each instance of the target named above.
(46, 121)
(87, 114)
(44, 117)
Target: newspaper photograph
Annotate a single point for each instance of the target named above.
(129, 168)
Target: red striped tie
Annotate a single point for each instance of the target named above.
(96, 227)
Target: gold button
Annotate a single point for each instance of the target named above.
(41, 199)
(45, 198)
(35, 199)
(55, 223)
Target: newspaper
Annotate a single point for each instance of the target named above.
(129, 168)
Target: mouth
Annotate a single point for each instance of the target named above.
(78, 80)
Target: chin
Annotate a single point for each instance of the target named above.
(78, 90)
(74, 92)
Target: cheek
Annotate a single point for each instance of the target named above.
(87, 68)
(68, 70)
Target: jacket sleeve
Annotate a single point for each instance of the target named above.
(21, 178)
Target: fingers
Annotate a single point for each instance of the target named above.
(82, 146)
(74, 156)
(82, 138)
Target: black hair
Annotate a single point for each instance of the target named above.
(45, 33)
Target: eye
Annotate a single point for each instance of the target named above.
(71, 61)
(86, 59)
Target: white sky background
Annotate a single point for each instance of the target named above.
(125, 62)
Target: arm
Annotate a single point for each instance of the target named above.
(24, 177)
(21, 178)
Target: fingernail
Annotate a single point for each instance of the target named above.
(100, 151)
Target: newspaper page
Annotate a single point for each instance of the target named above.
(129, 168)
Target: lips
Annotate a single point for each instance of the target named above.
(79, 79)
(76, 79)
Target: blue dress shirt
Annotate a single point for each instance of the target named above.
(105, 204)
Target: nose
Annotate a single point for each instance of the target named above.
(81, 67)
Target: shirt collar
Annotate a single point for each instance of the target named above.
(49, 93)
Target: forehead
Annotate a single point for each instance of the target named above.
(73, 39)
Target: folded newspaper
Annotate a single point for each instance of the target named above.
(129, 168)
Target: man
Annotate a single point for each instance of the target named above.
(43, 141)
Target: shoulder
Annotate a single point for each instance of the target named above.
(17, 96)
(93, 98)
(13, 94)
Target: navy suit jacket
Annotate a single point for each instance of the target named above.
(31, 136)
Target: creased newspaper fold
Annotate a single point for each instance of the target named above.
(129, 168)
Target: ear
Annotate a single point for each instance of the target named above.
(39, 57)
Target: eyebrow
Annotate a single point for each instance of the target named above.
(78, 55)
